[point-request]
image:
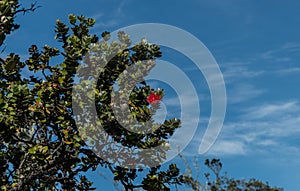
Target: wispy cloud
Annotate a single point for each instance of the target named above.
(288, 71)
(292, 46)
(271, 55)
(243, 92)
(236, 70)
(225, 147)
(284, 53)
(268, 130)
(111, 18)
(271, 110)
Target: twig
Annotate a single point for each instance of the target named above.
(32, 8)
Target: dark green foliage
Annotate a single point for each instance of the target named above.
(224, 183)
(8, 10)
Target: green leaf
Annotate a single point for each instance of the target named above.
(91, 22)
(76, 138)
(63, 65)
(61, 80)
(72, 19)
(3, 106)
(10, 95)
(116, 173)
(45, 149)
(32, 150)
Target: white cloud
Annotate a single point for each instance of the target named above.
(268, 131)
(105, 20)
(292, 46)
(288, 71)
(112, 18)
(267, 143)
(224, 147)
(235, 71)
(243, 92)
(281, 54)
(266, 127)
(271, 110)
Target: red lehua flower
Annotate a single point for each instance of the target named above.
(153, 98)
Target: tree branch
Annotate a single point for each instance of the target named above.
(32, 8)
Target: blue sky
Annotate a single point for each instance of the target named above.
(257, 46)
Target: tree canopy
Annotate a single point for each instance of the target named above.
(46, 145)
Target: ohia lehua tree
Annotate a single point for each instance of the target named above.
(41, 145)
